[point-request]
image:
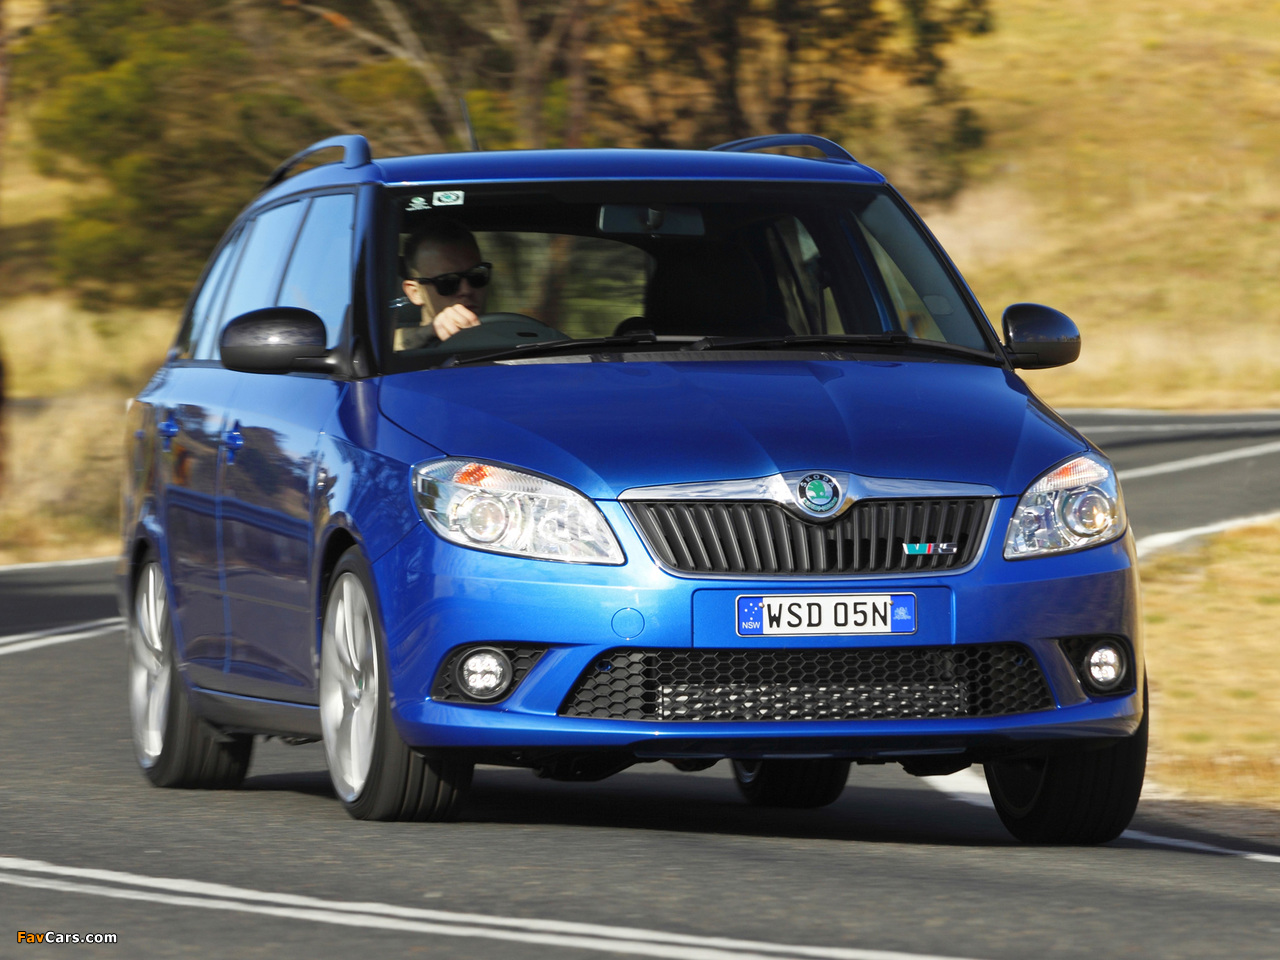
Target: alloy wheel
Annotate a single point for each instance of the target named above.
(149, 666)
(348, 686)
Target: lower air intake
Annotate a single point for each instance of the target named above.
(883, 683)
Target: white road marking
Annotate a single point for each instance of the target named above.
(1198, 846)
(970, 786)
(967, 786)
(1266, 426)
(1146, 412)
(54, 564)
(1206, 460)
(19, 642)
(1160, 541)
(40, 875)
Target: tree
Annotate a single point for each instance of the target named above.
(150, 104)
(507, 54)
(690, 73)
(171, 112)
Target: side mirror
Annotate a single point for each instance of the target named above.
(275, 340)
(1037, 336)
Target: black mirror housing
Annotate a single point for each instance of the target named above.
(1037, 336)
(275, 340)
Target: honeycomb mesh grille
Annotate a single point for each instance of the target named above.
(446, 686)
(704, 536)
(883, 683)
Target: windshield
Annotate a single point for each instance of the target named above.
(659, 267)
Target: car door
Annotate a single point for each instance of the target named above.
(188, 401)
(269, 479)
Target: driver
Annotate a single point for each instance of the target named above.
(445, 276)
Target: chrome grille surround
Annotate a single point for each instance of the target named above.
(759, 527)
(730, 539)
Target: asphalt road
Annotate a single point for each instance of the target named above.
(652, 862)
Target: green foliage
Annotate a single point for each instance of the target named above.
(155, 103)
(172, 112)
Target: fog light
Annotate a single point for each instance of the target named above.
(1105, 665)
(484, 673)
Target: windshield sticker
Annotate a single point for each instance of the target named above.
(447, 198)
(417, 203)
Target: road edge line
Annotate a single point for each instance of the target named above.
(1162, 541)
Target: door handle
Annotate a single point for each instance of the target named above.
(234, 440)
(167, 430)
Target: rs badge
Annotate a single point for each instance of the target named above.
(925, 549)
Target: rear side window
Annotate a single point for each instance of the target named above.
(204, 312)
(319, 273)
(257, 276)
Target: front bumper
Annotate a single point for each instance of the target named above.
(436, 597)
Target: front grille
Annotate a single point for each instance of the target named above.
(522, 660)
(879, 683)
(704, 536)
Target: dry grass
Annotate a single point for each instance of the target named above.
(1132, 179)
(1213, 651)
(60, 493)
(69, 371)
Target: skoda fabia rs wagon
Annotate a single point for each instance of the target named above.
(573, 460)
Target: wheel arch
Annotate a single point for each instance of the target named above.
(337, 541)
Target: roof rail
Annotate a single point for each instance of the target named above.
(355, 153)
(830, 149)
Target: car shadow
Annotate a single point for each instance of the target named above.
(891, 808)
(712, 805)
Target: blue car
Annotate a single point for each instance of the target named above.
(577, 459)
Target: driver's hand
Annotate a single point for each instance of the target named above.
(452, 319)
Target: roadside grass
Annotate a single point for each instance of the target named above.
(1212, 616)
(1132, 179)
(68, 372)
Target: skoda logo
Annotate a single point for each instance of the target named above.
(818, 493)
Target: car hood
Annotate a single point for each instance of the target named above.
(605, 427)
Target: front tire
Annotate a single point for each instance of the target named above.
(1080, 798)
(174, 747)
(374, 773)
(796, 784)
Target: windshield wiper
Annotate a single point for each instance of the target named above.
(556, 346)
(891, 338)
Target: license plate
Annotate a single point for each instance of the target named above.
(840, 614)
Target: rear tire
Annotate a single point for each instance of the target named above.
(375, 774)
(796, 784)
(1081, 798)
(174, 747)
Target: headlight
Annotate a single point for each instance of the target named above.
(1075, 505)
(504, 510)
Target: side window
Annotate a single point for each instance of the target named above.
(319, 272)
(257, 276)
(797, 262)
(926, 303)
(204, 310)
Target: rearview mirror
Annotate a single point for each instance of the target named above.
(275, 340)
(1037, 336)
(657, 220)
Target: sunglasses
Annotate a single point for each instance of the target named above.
(447, 284)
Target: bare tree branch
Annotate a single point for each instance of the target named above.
(445, 93)
(412, 54)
